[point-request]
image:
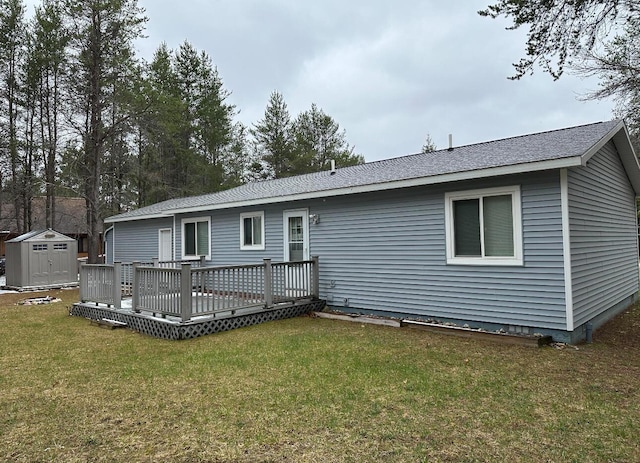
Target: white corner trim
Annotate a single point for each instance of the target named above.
(566, 247)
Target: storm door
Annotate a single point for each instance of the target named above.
(296, 249)
(296, 235)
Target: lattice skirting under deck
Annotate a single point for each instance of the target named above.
(172, 330)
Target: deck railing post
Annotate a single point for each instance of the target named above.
(315, 277)
(117, 282)
(83, 283)
(268, 293)
(135, 290)
(202, 261)
(185, 292)
(156, 262)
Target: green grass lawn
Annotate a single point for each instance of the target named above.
(309, 390)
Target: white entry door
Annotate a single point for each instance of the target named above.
(165, 245)
(296, 235)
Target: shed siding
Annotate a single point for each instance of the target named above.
(387, 252)
(603, 234)
(137, 240)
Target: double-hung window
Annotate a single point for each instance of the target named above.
(484, 227)
(196, 238)
(252, 230)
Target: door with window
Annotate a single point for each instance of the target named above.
(296, 235)
(296, 249)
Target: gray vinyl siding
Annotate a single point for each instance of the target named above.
(138, 240)
(603, 234)
(386, 252)
(225, 235)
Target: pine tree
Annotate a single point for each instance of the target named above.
(274, 139)
(318, 140)
(12, 47)
(102, 59)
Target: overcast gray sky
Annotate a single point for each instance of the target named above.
(388, 72)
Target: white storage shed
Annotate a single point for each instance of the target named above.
(41, 259)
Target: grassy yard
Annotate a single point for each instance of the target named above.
(309, 390)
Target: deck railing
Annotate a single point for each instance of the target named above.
(101, 283)
(191, 291)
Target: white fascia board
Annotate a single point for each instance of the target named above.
(421, 181)
(603, 141)
(628, 158)
(159, 215)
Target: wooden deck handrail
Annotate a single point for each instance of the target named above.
(191, 291)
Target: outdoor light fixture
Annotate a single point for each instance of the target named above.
(315, 218)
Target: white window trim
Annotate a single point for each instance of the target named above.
(252, 247)
(182, 237)
(449, 198)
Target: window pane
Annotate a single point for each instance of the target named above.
(296, 252)
(498, 226)
(467, 227)
(203, 238)
(190, 238)
(257, 230)
(295, 229)
(246, 229)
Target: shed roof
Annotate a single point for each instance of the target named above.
(48, 234)
(534, 152)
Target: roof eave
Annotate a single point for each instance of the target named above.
(116, 219)
(420, 181)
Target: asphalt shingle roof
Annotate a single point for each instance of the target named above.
(533, 148)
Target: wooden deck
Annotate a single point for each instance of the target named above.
(186, 302)
(172, 328)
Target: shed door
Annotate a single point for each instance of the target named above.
(49, 264)
(38, 264)
(59, 262)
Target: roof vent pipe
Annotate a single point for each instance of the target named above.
(450, 142)
(333, 167)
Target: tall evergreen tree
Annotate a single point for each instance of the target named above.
(209, 131)
(318, 140)
(102, 59)
(47, 55)
(12, 49)
(274, 138)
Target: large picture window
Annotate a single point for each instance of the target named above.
(484, 227)
(252, 230)
(196, 238)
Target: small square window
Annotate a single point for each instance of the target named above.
(252, 231)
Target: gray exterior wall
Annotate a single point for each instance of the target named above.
(603, 234)
(137, 240)
(386, 252)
